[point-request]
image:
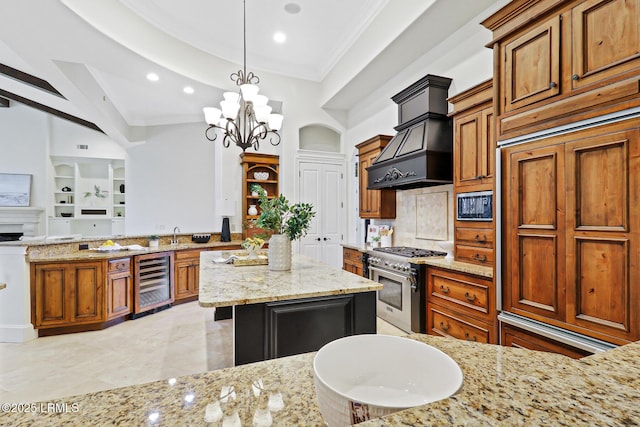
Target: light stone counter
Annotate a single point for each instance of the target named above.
(463, 267)
(225, 284)
(502, 386)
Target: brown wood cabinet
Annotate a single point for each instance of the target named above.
(67, 293)
(374, 204)
(571, 231)
(265, 164)
(557, 61)
(461, 306)
(474, 150)
(119, 288)
(352, 261)
(474, 140)
(187, 275)
(511, 336)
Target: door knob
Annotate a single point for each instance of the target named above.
(318, 239)
(326, 238)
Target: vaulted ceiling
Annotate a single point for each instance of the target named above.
(98, 53)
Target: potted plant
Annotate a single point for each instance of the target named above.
(287, 222)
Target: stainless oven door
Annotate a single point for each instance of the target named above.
(394, 300)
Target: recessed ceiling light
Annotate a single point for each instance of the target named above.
(188, 89)
(279, 37)
(292, 8)
(153, 77)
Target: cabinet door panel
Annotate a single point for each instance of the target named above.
(88, 295)
(532, 66)
(51, 288)
(601, 203)
(467, 134)
(487, 144)
(605, 39)
(603, 188)
(515, 337)
(448, 324)
(534, 241)
(119, 294)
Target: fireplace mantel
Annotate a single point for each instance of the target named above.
(20, 219)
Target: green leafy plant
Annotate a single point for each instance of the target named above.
(279, 216)
(100, 194)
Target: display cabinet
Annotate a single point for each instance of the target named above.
(262, 170)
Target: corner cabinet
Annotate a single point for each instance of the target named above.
(88, 196)
(374, 204)
(474, 147)
(571, 237)
(187, 275)
(556, 62)
(263, 170)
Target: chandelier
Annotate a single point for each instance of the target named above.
(244, 117)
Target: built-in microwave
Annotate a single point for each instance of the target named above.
(475, 206)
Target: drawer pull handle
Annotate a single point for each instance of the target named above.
(468, 337)
(481, 258)
(469, 297)
(482, 239)
(444, 327)
(444, 290)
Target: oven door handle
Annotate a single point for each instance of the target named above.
(407, 279)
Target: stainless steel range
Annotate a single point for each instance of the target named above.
(402, 300)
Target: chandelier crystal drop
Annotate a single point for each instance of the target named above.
(244, 117)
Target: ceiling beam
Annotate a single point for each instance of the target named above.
(4, 103)
(29, 79)
(47, 109)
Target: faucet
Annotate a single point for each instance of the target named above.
(175, 238)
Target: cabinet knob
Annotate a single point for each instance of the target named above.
(553, 84)
(482, 239)
(444, 327)
(468, 337)
(469, 297)
(444, 290)
(481, 258)
(575, 77)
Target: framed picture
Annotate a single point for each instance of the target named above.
(15, 189)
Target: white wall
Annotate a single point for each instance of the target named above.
(24, 147)
(462, 57)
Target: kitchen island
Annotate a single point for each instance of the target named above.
(503, 386)
(280, 313)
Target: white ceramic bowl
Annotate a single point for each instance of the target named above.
(262, 176)
(363, 377)
(447, 246)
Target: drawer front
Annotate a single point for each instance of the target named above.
(123, 264)
(463, 291)
(352, 255)
(191, 254)
(483, 237)
(448, 324)
(476, 255)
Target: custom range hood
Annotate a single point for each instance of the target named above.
(420, 155)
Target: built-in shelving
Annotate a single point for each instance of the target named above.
(87, 196)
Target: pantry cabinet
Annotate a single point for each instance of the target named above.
(374, 204)
(571, 231)
(557, 62)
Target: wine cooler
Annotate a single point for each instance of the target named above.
(153, 281)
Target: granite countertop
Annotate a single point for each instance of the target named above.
(225, 284)
(70, 252)
(502, 386)
(460, 266)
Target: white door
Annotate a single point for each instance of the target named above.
(322, 185)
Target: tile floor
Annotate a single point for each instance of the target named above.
(180, 341)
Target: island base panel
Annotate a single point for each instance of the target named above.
(284, 328)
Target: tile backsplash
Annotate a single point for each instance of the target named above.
(424, 216)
